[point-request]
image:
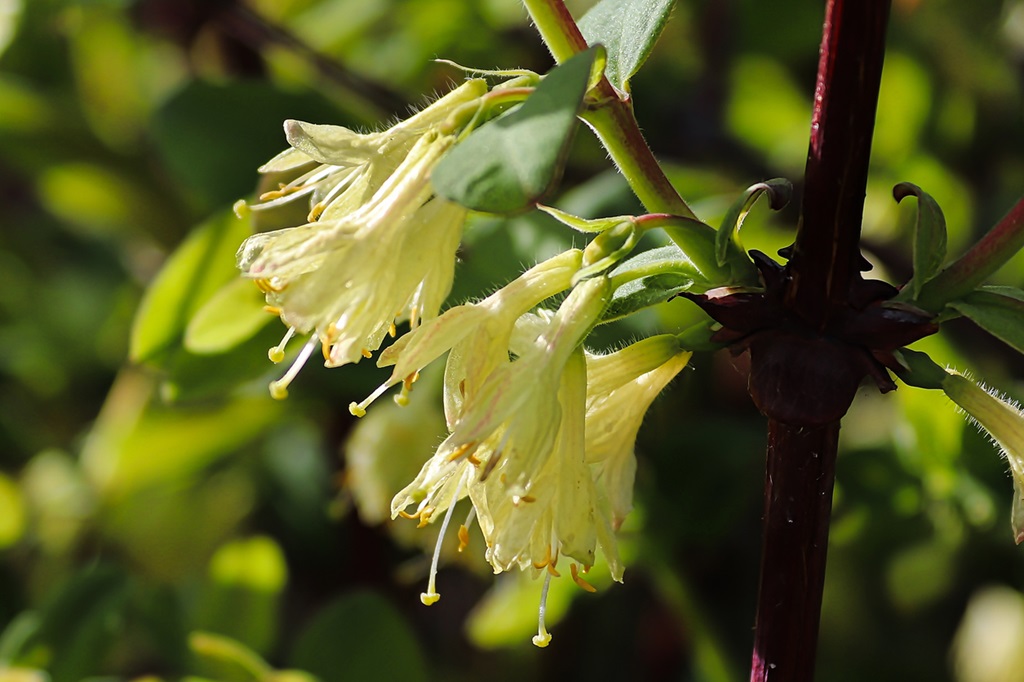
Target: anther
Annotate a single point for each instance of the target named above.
(461, 450)
(276, 354)
(279, 388)
(366, 353)
(580, 581)
(463, 538)
(392, 330)
(316, 212)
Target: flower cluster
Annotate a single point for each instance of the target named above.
(379, 246)
(541, 431)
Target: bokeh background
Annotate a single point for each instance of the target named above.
(164, 519)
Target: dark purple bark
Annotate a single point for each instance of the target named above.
(820, 287)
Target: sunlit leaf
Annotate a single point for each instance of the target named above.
(513, 161)
(628, 30)
(929, 235)
(194, 273)
(232, 315)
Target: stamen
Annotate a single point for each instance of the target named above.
(359, 409)
(580, 581)
(276, 354)
(279, 388)
(461, 450)
(392, 330)
(431, 596)
(272, 309)
(366, 353)
(543, 637)
(316, 212)
(493, 460)
(464, 529)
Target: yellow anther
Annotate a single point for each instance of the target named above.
(553, 571)
(278, 391)
(276, 355)
(272, 309)
(461, 450)
(463, 538)
(580, 581)
(472, 459)
(325, 350)
(429, 598)
(516, 499)
(410, 380)
(356, 410)
(366, 353)
(425, 517)
(406, 515)
(316, 212)
(392, 330)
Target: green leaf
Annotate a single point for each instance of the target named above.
(360, 636)
(232, 315)
(728, 248)
(628, 30)
(513, 161)
(193, 274)
(242, 597)
(660, 274)
(80, 624)
(929, 236)
(997, 310)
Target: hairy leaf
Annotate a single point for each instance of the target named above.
(663, 273)
(513, 161)
(628, 30)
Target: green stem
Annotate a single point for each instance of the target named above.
(964, 275)
(613, 119)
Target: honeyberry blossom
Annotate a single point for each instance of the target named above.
(1003, 420)
(506, 444)
(339, 169)
(620, 388)
(476, 334)
(380, 246)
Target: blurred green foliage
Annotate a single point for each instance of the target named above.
(161, 518)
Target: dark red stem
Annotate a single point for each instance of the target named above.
(824, 264)
(826, 253)
(798, 499)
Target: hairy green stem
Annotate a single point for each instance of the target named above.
(612, 120)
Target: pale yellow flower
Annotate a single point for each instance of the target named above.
(379, 247)
(476, 334)
(620, 388)
(1003, 420)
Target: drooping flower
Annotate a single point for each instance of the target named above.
(620, 388)
(504, 442)
(1003, 420)
(380, 246)
(476, 334)
(339, 169)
